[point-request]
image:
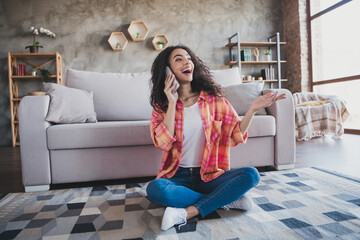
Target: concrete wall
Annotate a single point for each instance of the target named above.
(82, 28)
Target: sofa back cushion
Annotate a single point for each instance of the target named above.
(117, 96)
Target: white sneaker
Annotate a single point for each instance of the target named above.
(243, 203)
(173, 216)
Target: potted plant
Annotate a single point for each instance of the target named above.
(34, 72)
(160, 43)
(267, 53)
(34, 48)
(138, 35)
(118, 45)
(45, 75)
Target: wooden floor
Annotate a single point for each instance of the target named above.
(340, 155)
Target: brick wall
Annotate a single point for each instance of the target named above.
(295, 33)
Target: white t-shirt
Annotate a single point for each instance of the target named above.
(194, 138)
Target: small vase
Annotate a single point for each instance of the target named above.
(34, 49)
(161, 46)
(268, 58)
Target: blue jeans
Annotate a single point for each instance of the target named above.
(186, 188)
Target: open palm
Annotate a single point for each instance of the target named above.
(266, 100)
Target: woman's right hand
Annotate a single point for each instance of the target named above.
(172, 97)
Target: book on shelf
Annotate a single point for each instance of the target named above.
(264, 74)
(268, 73)
(20, 70)
(245, 55)
(272, 72)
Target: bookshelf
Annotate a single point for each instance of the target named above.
(138, 31)
(157, 38)
(29, 61)
(270, 44)
(117, 41)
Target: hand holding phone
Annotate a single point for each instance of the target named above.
(177, 85)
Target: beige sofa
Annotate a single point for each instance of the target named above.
(119, 145)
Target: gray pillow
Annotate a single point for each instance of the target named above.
(69, 105)
(242, 95)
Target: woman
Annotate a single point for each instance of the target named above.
(195, 127)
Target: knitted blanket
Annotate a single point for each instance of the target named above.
(317, 115)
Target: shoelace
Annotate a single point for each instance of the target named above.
(226, 208)
(182, 224)
(182, 220)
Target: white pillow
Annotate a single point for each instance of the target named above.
(242, 95)
(69, 105)
(226, 77)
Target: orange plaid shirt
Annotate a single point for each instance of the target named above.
(222, 130)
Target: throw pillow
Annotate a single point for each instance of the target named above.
(69, 105)
(226, 77)
(242, 95)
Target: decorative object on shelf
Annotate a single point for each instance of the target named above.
(267, 54)
(256, 53)
(34, 72)
(245, 55)
(35, 47)
(36, 93)
(117, 41)
(45, 75)
(138, 31)
(160, 42)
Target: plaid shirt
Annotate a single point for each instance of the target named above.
(222, 130)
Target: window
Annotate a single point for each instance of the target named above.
(335, 53)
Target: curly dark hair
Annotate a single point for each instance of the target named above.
(202, 79)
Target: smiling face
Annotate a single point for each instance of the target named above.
(181, 65)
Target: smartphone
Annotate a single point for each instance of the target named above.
(177, 85)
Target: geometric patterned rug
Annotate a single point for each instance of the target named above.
(304, 203)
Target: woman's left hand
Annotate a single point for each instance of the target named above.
(266, 100)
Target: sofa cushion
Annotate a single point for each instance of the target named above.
(101, 134)
(242, 95)
(126, 133)
(69, 105)
(262, 126)
(226, 77)
(117, 96)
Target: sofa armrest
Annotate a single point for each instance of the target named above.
(35, 159)
(285, 145)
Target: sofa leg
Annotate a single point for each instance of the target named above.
(284, 166)
(37, 188)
